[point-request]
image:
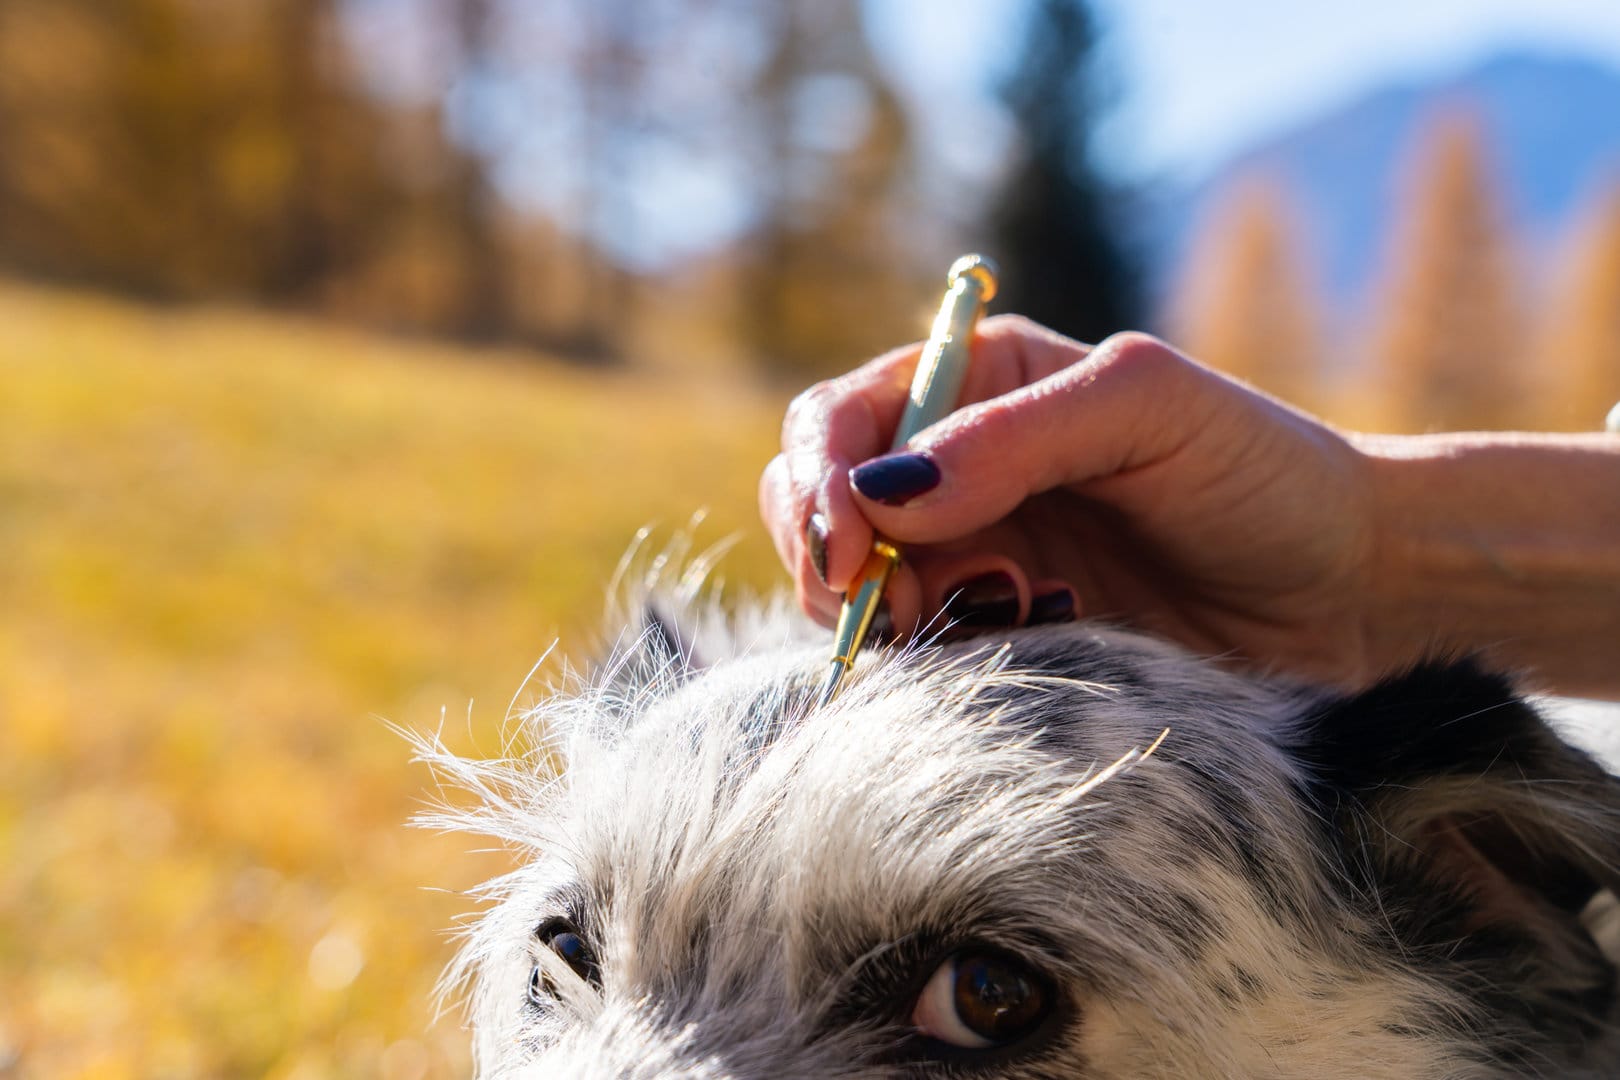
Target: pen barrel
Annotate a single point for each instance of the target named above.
(944, 362)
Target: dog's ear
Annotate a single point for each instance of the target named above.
(1483, 836)
(662, 643)
(651, 655)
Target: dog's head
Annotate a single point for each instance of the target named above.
(1073, 853)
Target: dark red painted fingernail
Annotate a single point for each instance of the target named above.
(815, 542)
(895, 479)
(1057, 606)
(987, 600)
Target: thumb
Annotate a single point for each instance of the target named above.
(1132, 401)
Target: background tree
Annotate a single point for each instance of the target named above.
(510, 168)
(1049, 227)
(826, 275)
(1242, 304)
(1449, 354)
(483, 310)
(1578, 355)
(182, 150)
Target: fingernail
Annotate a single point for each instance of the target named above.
(881, 632)
(1057, 606)
(815, 542)
(895, 479)
(987, 600)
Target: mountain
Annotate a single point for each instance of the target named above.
(1552, 130)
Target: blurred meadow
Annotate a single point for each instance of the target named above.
(233, 544)
(346, 344)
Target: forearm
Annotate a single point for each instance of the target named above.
(1506, 545)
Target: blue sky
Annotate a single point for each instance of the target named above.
(1199, 79)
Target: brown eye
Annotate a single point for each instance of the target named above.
(980, 1000)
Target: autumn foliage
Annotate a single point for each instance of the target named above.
(1462, 329)
(1577, 361)
(1244, 305)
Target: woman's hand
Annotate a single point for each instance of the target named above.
(1121, 480)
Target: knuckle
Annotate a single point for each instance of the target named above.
(773, 482)
(879, 365)
(1011, 324)
(1139, 353)
(810, 403)
(805, 400)
(971, 426)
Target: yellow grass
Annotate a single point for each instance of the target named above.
(229, 544)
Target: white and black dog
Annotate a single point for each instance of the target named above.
(1068, 852)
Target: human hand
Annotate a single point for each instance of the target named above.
(1122, 481)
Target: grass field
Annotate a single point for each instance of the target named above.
(229, 546)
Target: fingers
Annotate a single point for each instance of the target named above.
(1010, 439)
(836, 424)
(828, 429)
(953, 595)
(978, 591)
(1131, 402)
(958, 595)
(778, 509)
(934, 590)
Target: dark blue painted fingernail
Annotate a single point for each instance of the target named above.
(815, 543)
(987, 600)
(1057, 606)
(895, 479)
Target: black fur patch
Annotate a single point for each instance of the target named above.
(1455, 720)
(1438, 719)
(1090, 660)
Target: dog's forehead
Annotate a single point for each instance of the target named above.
(944, 781)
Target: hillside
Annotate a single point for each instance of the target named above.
(232, 545)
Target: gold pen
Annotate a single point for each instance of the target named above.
(935, 388)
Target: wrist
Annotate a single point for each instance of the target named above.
(1503, 545)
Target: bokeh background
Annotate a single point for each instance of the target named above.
(344, 345)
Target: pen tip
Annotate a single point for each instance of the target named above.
(835, 678)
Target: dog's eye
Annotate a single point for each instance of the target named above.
(575, 953)
(979, 1000)
(564, 939)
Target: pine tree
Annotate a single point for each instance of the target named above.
(1449, 354)
(1578, 355)
(1242, 304)
(1051, 226)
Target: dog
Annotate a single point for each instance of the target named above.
(1064, 852)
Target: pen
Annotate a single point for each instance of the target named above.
(935, 387)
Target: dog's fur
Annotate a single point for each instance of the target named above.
(1408, 882)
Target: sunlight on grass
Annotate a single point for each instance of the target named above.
(231, 544)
